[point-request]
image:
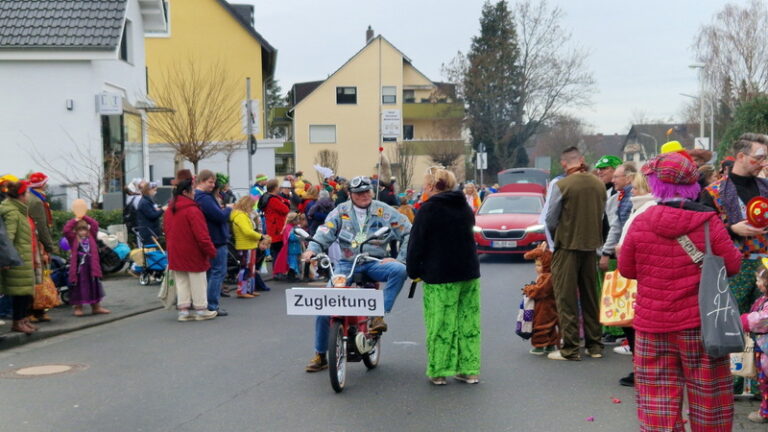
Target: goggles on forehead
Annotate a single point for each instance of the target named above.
(360, 181)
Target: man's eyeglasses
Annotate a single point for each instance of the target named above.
(760, 158)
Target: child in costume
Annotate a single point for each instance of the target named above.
(546, 334)
(756, 322)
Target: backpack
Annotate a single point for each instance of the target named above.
(263, 201)
(129, 215)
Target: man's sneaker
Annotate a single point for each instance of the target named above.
(610, 339)
(756, 417)
(623, 349)
(557, 355)
(378, 325)
(595, 354)
(438, 380)
(628, 381)
(318, 363)
(184, 315)
(221, 312)
(469, 379)
(539, 351)
(205, 314)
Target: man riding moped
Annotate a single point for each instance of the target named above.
(351, 223)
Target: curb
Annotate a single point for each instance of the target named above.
(14, 339)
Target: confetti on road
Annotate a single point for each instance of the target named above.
(590, 419)
(616, 400)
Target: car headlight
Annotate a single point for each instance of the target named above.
(538, 229)
(477, 229)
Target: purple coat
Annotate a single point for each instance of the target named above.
(74, 244)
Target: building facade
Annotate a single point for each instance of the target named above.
(73, 80)
(208, 34)
(377, 99)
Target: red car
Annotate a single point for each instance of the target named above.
(508, 223)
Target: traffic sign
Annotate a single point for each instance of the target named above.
(482, 161)
(701, 143)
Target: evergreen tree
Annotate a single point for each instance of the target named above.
(750, 116)
(274, 99)
(491, 87)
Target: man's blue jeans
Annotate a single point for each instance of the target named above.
(216, 277)
(393, 273)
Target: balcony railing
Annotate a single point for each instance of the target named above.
(433, 111)
(429, 146)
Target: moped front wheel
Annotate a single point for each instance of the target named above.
(337, 356)
(371, 359)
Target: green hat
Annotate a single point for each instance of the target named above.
(608, 161)
(222, 179)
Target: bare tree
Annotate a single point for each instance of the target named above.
(734, 50)
(446, 155)
(403, 155)
(554, 71)
(206, 107)
(328, 159)
(82, 168)
(229, 149)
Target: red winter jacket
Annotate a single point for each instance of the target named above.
(275, 211)
(667, 279)
(189, 246)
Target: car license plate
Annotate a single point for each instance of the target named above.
(504, 244)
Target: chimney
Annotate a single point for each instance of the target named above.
(368, 35)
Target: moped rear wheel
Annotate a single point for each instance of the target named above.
(371, 359)
(337, 356)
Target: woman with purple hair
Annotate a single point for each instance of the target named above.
(669, 356)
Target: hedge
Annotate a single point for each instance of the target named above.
(103, 217)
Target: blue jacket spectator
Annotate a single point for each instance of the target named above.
(216, 218)
(148, 214)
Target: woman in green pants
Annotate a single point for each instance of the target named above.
(441, 252)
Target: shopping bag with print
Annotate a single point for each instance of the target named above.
(524, 326)
(167, 293)
(743, 363)
(617, 302)
(46, 294)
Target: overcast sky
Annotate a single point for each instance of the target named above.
(639, 50)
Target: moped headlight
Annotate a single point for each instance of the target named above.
(539, 229)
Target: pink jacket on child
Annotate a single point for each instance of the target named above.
(667, 278)
(756, 322)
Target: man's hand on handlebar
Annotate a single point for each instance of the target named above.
(307, 255)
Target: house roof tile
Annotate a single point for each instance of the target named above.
(80, 24)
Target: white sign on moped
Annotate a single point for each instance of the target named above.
(334, 301)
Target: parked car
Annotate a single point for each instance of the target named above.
(523, 176)
(507, 223)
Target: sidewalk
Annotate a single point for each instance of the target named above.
(124, 297)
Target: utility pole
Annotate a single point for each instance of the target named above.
(249, 129)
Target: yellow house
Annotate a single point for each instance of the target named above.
(214, 33)
(376, 99)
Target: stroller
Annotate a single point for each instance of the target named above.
(149, 259)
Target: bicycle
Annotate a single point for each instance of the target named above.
(366, 346)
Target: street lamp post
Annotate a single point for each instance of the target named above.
(655, 143)
(701, 67)
(711, 104)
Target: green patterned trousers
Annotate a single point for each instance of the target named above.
(452, 319)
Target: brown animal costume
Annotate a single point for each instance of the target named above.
(545, 329)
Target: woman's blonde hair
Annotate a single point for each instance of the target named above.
(640, 184)
(440, 178)
(245, 204)
(291, 218)
(312, 193)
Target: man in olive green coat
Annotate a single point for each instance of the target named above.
(575, 216)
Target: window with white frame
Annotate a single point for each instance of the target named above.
(389, 95)
(322, 134)
(167, 31)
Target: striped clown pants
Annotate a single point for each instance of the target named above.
(666, 364)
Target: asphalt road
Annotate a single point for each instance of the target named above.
(245, 372)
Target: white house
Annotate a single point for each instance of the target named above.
(73, 91)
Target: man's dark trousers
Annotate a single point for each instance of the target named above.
(574, 275)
